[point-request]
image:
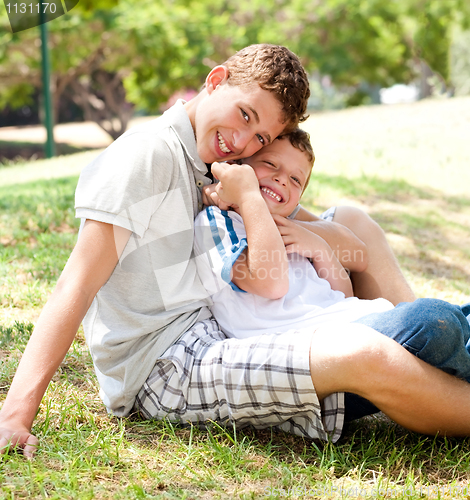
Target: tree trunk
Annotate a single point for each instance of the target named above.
(103, 99)
(425, 88)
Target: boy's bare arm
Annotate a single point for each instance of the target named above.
(88, 268)
(262, 268)
(348, 248)
(300, 240)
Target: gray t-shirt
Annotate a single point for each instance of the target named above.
(148, 181)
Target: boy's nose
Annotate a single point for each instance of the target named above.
(281, 178)
(243, 140)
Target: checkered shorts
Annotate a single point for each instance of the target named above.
(262, 381)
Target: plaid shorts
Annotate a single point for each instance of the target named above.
(262, 381)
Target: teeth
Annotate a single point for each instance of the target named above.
(271, 193)
(222, 144)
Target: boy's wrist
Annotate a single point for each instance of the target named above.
(251, 202)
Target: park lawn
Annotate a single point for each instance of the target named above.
(405, 165)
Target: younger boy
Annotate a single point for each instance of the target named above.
(293, 277)
(257, 249)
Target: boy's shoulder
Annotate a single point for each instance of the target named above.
(174, 119)
(213, 215)
(160, 141)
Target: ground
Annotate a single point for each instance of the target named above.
(69, 138)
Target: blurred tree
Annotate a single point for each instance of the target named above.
(77, 60)
(108, 54)
(460, 63)
(350, 40)
(434, 25)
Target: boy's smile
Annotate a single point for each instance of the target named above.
(232, 122)
(282, 171)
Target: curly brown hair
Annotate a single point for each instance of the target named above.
(276, 69)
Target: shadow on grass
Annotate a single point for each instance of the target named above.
(12, 152)
(424, 216)
(370, 448)
(370, 190)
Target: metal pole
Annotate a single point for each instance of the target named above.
(46, 89)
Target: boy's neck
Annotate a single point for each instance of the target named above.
(191, 107)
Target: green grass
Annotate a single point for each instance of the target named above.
(87, 454)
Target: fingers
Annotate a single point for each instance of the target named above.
(31, 446)
(215, 170)
(292, 248)
(218, 202)
(27, 442)
(207, 192)
(280, 220)
(4, 445)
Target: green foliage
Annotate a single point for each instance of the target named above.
(435, 21)
(159, 47)
(351, 40)
(460, 63)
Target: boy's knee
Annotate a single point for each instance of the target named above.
(437, 314)
(355, 217)
(438, 330)
(348, 357)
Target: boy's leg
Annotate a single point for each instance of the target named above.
(433, 330)
(383, 277)
(354, 358)
(262, 381)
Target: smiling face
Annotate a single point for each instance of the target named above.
(232, 122)
(282, 171)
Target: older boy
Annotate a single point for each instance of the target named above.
(148, 321)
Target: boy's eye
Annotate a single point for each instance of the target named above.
(260, 139)
(295, 179)
(245, 115)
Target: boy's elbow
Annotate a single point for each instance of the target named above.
(359, 261)
(273, 294)
(276, 290)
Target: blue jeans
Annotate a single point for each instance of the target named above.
(433, 330)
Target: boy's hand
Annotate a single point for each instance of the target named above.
(298, 239)
(210, 197)
(12, 438)
(238, 183)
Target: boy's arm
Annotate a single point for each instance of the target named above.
(308, 244)
(348, 248)
(262, 268)
(87, 270)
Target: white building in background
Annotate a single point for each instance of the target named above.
(399, 94)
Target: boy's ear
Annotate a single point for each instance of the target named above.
(217, 76)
